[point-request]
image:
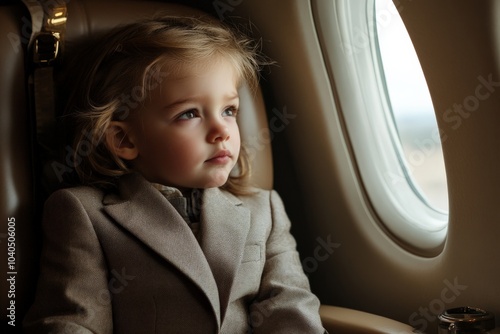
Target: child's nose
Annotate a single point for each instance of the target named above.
(218, 132)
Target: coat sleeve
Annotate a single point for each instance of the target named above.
(72, 294)
(285, 303)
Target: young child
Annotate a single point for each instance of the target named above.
(165, 235)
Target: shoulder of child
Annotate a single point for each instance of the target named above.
(80, 193)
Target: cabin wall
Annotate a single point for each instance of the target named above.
(366, 269)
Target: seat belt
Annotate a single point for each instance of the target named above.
(48, 19)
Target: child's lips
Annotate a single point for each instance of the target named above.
(221, 157)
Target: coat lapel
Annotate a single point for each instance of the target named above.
(142, 210)
(224, 227)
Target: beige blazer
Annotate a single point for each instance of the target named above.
(128, 263)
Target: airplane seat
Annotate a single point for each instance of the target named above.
(22, 191)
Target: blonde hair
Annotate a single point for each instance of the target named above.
(127, 64)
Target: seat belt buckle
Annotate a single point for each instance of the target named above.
(46, 48)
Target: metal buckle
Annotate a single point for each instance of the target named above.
(46, 48)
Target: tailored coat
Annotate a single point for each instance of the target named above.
(126, 262)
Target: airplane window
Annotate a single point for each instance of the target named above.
(388, 119)
(412, 110)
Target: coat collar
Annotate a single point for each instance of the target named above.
(145, 212)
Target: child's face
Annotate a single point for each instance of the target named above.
(187, 135)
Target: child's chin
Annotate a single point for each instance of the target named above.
(216, 183)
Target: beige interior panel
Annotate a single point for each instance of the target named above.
(457, 43)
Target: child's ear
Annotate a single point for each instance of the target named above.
(120, 140)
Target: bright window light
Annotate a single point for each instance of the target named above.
(412, 110)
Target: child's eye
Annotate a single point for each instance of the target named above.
(230, 111)
(188, 115)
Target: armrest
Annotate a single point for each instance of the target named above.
(341, 320)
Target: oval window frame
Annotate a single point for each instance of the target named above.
(355, 71)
